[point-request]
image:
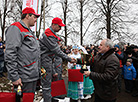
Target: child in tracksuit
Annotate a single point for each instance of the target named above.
(129, 73)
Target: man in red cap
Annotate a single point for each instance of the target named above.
(49, 48)
(22, 52)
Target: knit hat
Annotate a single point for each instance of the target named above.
(129, 60)
(117, 46)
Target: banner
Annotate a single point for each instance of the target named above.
(36, 5)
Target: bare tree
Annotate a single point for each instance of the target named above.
(86, 20)
(44, 15)
(9, 13)
(81, 21)
(66, 7)
(113, 19)
(64, 4)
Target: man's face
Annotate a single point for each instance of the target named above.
(56, 27)
(0, 39)
(32, 19)
(116, 49)
(102, 48)
(128, 63)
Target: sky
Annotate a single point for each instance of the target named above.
(56, 12)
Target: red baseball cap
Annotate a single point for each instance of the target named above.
(29, 10)
(58, 21)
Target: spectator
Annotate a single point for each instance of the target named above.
(22, 52)
(120, 56)
(135, 64)
(75, 89)
(129, 74)
(88, 87)
(1, 57)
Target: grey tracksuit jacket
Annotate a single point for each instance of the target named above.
(22, 54)
(49, 48)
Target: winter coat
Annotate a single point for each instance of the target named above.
(49, 48)
(129, 72)
(104, 75)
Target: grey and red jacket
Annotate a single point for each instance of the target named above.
(49, 47)
(22, 54)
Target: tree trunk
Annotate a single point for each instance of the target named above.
(38, 33)
(108, 20)
(4, 17)
(81, 22)
(44, 15)
(65, 16)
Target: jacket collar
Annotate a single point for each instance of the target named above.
(108, 53)
(23, 24)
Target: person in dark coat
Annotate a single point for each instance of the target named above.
(120, 56)
(105, 73)
(1, 57)
(135, 63)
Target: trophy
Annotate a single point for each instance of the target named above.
(85, 58)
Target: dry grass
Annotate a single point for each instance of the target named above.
(5, 84)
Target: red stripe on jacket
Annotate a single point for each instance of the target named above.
(29, 36)
(48, 33)
(29, 64)
(58, 65)
(22, 29)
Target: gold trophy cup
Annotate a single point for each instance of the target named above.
(85, 58)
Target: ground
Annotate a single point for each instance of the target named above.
(5, 85)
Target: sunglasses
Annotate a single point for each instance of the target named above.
(58, 25)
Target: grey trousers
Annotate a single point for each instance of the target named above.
(46, 86)
(29, 87)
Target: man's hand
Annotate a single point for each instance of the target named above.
(55, 75)
(73, 60)
(133, 78)
(74, 64)
(17, 82)
(87, 73)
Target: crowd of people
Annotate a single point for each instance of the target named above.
(25, 56)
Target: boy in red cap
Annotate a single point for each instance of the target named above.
(22, 52)
(49, 48)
